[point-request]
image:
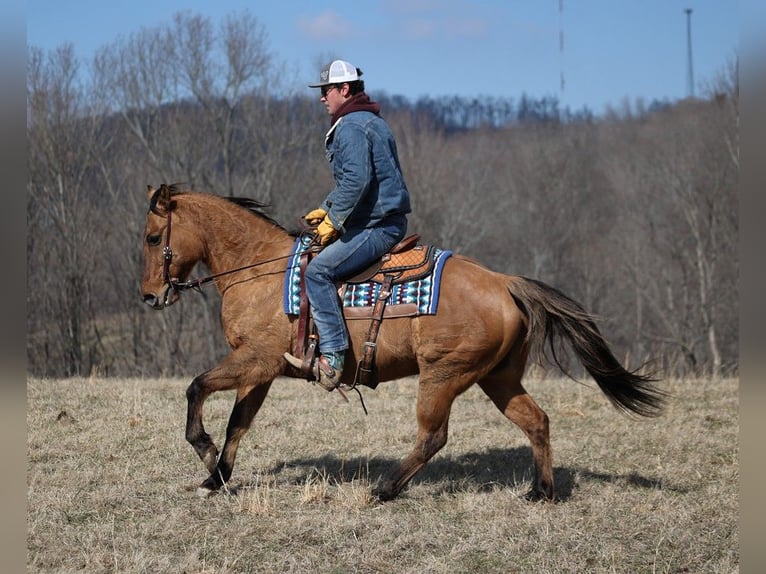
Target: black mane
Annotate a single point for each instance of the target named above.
(253, 205)
(258, 208)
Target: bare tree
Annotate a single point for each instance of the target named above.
(682, 180)
(634, 214)
(63, 138)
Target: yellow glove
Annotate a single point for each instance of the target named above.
(315, 217)
(326, 233)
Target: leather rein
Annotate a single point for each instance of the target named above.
(307, 236)
(197, 284)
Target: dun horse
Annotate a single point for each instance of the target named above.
(486, 326)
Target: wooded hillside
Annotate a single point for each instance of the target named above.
(633, 213)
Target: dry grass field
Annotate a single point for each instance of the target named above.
(111, 484)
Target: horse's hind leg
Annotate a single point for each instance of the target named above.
(504, 388)
(433, 409)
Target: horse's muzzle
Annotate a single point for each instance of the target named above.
(153, 301)
(159, 302)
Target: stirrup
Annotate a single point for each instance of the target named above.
(329, 376)
(325, 375)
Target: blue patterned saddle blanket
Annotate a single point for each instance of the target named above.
(415, 297)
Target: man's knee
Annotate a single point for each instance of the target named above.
(321, 272)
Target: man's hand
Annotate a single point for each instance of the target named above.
(315, 217)
(326, 233)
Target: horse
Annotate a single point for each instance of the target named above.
(486, 327)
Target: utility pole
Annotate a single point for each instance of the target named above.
(690, 67)
(561, 48)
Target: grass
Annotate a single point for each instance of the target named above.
(111, 481)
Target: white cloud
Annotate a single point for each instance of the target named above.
(466, 27)
(427, 19)
(402, 8)
(328, 24)
(419, 29)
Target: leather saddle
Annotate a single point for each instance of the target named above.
(406, 261)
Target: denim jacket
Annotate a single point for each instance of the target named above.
(369, 185)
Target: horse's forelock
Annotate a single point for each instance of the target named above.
(153, 202)
(172, 189)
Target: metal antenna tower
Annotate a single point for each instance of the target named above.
(690, 67)
(561, 47)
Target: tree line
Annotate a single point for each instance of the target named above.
(633, 213)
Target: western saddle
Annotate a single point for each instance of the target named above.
(406, 261)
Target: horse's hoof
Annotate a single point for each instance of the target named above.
(205, 492)
(384, 494)
(535, 495)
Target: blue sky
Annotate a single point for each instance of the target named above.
(613, 49)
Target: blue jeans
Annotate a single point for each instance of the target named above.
(354, 251)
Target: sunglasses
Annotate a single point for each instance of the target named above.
(326, 89)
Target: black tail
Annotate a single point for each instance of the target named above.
(552, 315)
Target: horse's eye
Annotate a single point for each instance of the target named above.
(154, 240)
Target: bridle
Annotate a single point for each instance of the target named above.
(167, 255)
(307, 237)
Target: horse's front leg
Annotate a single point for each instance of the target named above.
(231, 373)
(196, 394)
(248, 402)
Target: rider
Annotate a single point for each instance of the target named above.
(362, 218)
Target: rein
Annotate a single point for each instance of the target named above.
(197, 284)
(307, 237)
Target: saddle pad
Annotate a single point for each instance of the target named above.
(421, 295)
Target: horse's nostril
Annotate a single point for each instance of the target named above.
(150, 299)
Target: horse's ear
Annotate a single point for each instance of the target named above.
(159, 199)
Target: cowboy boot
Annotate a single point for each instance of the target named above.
(330, 367)
(327, 369)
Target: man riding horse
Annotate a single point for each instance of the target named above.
(361, 219)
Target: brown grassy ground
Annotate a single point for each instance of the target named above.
(111, 484)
